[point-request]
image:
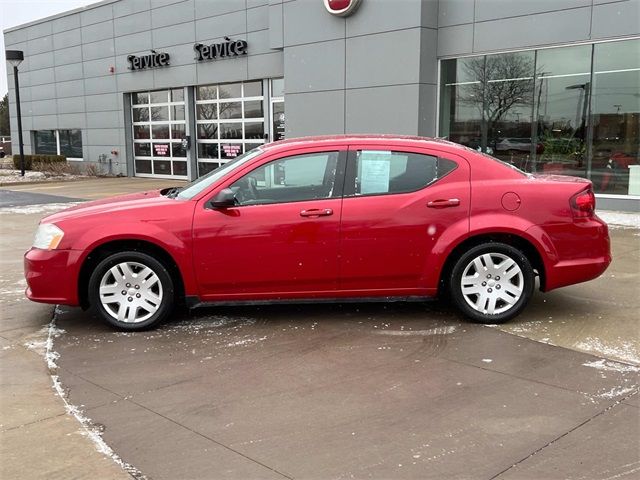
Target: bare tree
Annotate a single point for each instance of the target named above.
(500, 83)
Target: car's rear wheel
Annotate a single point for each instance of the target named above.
(492, 283)
(131, 291)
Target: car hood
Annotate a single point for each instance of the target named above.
(120, 203)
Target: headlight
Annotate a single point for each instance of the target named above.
(48, 236)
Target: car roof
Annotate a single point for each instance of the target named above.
(374, 139)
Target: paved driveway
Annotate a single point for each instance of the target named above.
(347, 391)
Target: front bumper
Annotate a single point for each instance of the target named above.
(52, 276)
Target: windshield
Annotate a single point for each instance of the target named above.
(204, 182)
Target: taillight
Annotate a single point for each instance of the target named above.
(583, 204)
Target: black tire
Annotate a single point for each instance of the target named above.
(158, 294)
(496, 301)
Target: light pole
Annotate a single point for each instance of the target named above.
(15, 58)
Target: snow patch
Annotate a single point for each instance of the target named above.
(487, 360)
(41, 209)
(45, 348)
(625, 351)
(432, 331)
(621, 219)
(609, 366)
(246, 341)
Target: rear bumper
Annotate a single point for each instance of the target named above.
(52, 276)
(583, 252)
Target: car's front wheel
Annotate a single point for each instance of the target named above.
(492, 283)
(131, 291)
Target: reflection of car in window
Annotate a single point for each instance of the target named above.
(518, 145)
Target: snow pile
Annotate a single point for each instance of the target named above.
(8, 176)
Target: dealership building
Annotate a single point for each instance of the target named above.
(174, 88)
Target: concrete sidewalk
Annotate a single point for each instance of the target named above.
(37, 437)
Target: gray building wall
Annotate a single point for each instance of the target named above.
(375, 71)
(478, 26)
(65, 80)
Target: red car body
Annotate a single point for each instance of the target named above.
(377, 246)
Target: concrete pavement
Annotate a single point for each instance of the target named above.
(323, 391)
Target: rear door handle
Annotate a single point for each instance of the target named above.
(316, 212)
(444, 203)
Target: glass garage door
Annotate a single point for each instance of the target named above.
(158, 129)
(230, 121)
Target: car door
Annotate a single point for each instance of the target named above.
(398, 203)
(281, 238)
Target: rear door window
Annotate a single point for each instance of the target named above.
(385, 172)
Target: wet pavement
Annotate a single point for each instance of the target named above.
(402, 390)
(347, 391)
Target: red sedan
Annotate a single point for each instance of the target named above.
(326, 218)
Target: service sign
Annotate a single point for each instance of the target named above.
(341, 8)
(156, 59)
(161, 149)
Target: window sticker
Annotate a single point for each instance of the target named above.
(375, 167)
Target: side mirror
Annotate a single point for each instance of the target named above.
(224, 199)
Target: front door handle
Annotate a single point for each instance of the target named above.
(316, 212)
(444, 203)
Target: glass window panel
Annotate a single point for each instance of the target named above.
(160, 96)
(142, 149)
(141, 114)
(70, 143)
(140, 98)
(161, 150)
(207, 92)
(397, 172)
(560, 110)
(208, 150)
(177, 150)
(143, 166)
(461, 100)
(159, 114)
(230, 131)
(160, 131)
(180, 168)
(177, 95)
(230, 110)
(207, 111)
(278, 124)
(615, 108)
(277, 87)
(487, 99)
(177, 112)
(206, 167)
(208, 131)
(178, 131)
(292, 179)
(230, 90)
(141, 131)
(250, 146)
(230, 150)
(253, 89)
(254, 130)
(253, 109)
(162, 167)
(45, 142)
